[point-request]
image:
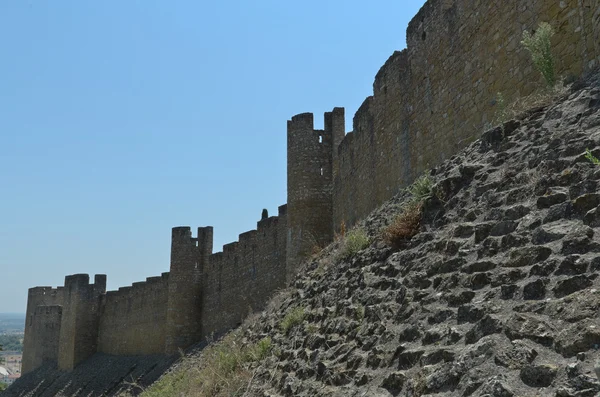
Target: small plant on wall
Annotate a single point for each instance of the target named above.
(538, 45)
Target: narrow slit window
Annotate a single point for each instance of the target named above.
(321, 171)
(320, 138)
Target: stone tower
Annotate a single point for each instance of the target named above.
(189, 257)
(311, 164)
(80, 319)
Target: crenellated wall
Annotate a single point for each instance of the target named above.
(203, 295)
(35, 328)
(134, 318)
(240, 279)
(81, 311)
(189, 257)
(433, 98)
(310, 172)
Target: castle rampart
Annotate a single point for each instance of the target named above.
(45, 324)
(429, 101)
(80, 319)
(34, 334)
(188, 256)
(242, 277)
(203, 295)
(134, 319)
(310, 182)
(432, 99)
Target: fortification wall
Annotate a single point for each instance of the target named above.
(311, 167)
(35, 328)
(189, 257)
(432, 99)
(46, 323)
(80, 319)
(242, 277)
(133, 319)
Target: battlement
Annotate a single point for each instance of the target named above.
(392, 72)
(301, 129)
(434, 17)
(41, 290)
(267, 223)
(80, 318)
(82, 281)
(39, 294)
(77, 280)
(244, 274)
(282, 211)
(182, 232)
(230, 248)
(302, 121)
(312, 162)
(247, 237)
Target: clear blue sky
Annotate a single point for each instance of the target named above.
(121, 119)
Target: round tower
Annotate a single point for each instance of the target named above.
(310, 165)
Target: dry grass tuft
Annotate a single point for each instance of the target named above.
(536, 100)
(405, 226)
(223, 369)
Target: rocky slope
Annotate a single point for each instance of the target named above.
(498, 295)
(100, 375)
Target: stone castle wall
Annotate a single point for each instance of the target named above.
(428, 102)
(81, 312)
(241, 278)
(312, 164)
(36, 329)
(432, 99)
(45, 324)
(134, 318)
(203, 295)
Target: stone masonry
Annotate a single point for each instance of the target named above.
(204, 295)
(429, 101)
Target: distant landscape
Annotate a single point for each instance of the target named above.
(12, 323)
(12, 326)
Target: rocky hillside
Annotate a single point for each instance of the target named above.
(100, 375)
(497, 295)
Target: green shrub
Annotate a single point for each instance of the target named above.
(293, 318)
(421, 188)
(538, 45)
(354, 241)
(593, 159)
(260, 350)
(312, 328)
(360, 312)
